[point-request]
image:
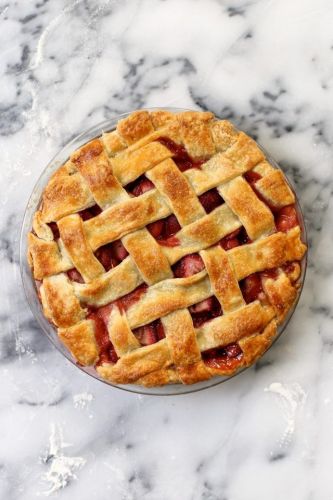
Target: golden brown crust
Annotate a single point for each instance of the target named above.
(224, 134)
(124, 217)
(147, 254)
(96, 174)
(118, 281)
(128, 166)
(162, 118)
(254, 346)
(184, 349)
(274, 188)
(137, 364)
(113, 143)
(174, 186)
(121, 336)
(74, 239)
(135, 126)
(254, 215)
(267, 253)
(80, 341)
(281, 294)
(203, 233)
(59, 302)
(233, 326)
(159, 377)
(223, 279)
(45, 257)
(66, 193)
(167, 296)
(195, 133)
(93, 164)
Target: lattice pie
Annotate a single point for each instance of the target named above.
(167, 250)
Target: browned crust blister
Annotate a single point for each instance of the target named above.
(96, 174)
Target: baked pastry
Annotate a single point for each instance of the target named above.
(167, 250)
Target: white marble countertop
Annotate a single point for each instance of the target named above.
(268, 66)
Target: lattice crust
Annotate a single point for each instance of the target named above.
(107, 309)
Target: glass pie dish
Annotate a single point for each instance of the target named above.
(30, 285)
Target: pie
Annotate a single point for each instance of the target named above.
(167, 250)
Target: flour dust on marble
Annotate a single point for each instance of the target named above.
(61, 467)
(291, 398)
(82, 400)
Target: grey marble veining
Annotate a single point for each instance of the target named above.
(267, 66)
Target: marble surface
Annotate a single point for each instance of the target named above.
(268, 66)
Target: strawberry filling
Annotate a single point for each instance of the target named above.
(235, 239)
(181, 157)
(252, 177)
(107, 353)
(286, 219)
(205, 311)
(89, 213)
(210, 200)
(104, 255)
(188, 265)
(128, 300)
(55, 231)
(151, 333)
(101, 317)
(111, 255)
(270, 273)
(74, 275)
(251, 287)
(140, 186)
(166, 228)
(222, 358)
(156, 228)
(290, 269)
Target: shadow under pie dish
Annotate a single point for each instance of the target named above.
(168, 250)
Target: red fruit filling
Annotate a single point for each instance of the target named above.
(290, 268)
(251, 287)
(210, 200)
(170, 226)
(55, 231)
(252, 177)
(151, 333)
(235, 239)
(128, 300)
(105, 256)
(89, 213)
(111, 255)
(181, 156)
(286, 218)
(156, 228)
(74, 275)
(107, 353)
(222, 358)
(85, 214)
(169, 242)
(101, 317)
(188, 265)
(230, 241)
(205, 311)
(270, 273)
(140, 186)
